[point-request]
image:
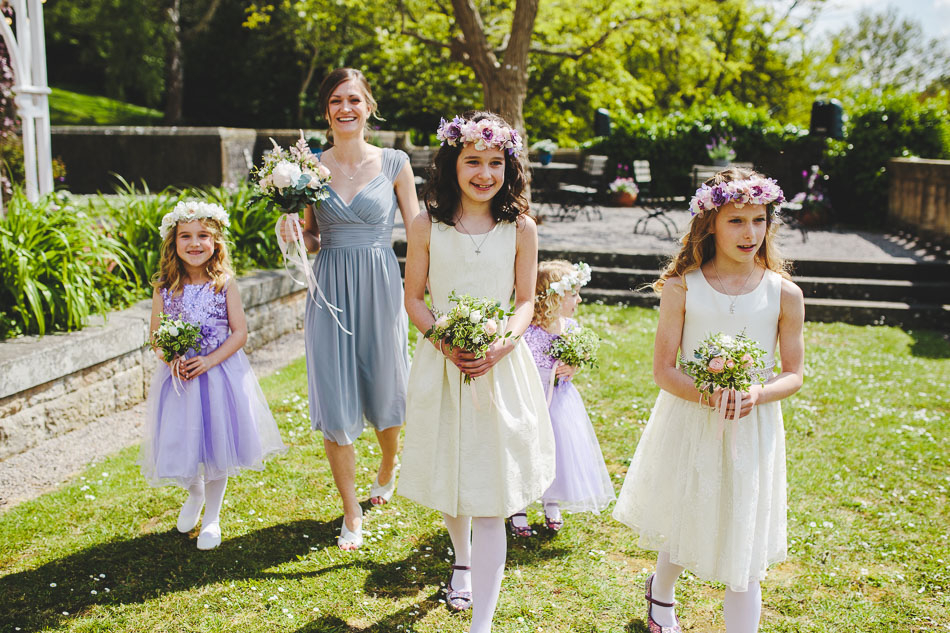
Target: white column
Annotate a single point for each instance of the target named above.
(44, 152)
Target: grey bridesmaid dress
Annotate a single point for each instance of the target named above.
(363, 375)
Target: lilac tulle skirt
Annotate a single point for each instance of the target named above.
(581, 482)
(217, 425)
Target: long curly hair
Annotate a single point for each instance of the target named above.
(171, 270)
(548, 306)
(442, 195)
(699, 244)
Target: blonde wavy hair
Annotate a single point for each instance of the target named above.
(699, 244)
(547, 306)
(171, 270)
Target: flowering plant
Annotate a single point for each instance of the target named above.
(291, 179)
(570, 282)
(544, 145)
(577, 348)
(755, 190)
(813, 203)
(472, 325)
(720, 148)
(727, 362)
(174, 337)
(191, 210)
(484, 134)
(624, 185)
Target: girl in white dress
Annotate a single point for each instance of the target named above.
(706, 497)
(475, 454)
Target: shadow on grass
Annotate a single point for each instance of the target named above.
(146, 567)
(930, 344)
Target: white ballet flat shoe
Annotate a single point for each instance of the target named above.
(210, 536)
(190, 513)
(382, 494)
(350, 540)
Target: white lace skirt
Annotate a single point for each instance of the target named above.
(722, 517)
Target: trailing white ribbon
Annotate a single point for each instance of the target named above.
(176, 379)
(295, 258)
(551, 380)
(723, 405)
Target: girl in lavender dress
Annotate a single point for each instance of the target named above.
(217, 421)
(581, 482)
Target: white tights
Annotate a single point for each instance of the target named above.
(480, 542)
(214, 498)
(741, 608)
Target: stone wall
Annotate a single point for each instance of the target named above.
(52, 384)
(919, 196)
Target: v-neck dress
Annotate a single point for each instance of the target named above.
(363, 375)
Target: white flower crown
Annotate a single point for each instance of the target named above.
(570, 282)
(191, 210)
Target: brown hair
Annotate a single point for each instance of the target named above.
(699, 244)
(547, 306)
(334, 79)
(442, 195)
(171, 269)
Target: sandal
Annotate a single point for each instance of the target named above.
(652, 625)
(457, 601)
(521, 531)
(348, 540)
(380, 495)
(551, 523)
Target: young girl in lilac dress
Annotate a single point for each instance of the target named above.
(217, 421)
(581, 482)
(707, 496)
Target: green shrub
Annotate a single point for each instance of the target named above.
(881, 128)
(57, 268)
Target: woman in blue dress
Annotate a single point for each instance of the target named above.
(362, 375)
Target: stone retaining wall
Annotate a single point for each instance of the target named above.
(919, 196)
(52, 384)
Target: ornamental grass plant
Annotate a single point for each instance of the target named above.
(868, 488)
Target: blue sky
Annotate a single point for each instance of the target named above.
(933, 15)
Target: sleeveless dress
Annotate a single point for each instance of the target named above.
(216, 424)
(490, 455)
(581, 482)
(721, 517)
(364, 374)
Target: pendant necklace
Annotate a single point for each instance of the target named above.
(732, 299)
(343, 171)
(478, 245)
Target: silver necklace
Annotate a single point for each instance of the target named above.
(732, 299)
(478, 245)
(343, 171)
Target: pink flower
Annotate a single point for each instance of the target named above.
(441, 322)
(490, 327)
(730, 364)
(746, 360)
(716, 364)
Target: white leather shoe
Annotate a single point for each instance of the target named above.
(210, 536)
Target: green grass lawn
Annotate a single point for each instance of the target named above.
(868, 521)
(73, 108)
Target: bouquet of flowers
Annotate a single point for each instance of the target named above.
(577, 348)
(174, 337)
(472, 325)
(724, 361)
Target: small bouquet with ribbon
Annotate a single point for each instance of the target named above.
(577, 348)
(730, 363)
(472, 325)
(290, 180)
(174, 337)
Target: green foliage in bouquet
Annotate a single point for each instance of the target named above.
(175, 337)
(724, 361)
(577, 348)
(472, 325)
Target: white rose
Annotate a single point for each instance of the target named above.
(442, 322)
(475, 316)
(462, 311)
(313, 183)
(173, 331)
(285, 174)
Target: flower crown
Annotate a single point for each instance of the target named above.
(570, 282)
(755, 190)
(484, 134)
(191, 210)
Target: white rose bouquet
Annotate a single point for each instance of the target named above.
(577, 348)
(472, 325)
(291, 179)
(174, 337)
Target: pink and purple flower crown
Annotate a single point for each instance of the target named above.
(483, 134)
(756, 190)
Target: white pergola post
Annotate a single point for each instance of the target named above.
(28, 58)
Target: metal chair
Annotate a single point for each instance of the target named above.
(656, 207)
(584, 196)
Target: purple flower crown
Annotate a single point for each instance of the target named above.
(483, 134)
(756, 190)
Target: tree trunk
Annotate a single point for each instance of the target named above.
(174, 67)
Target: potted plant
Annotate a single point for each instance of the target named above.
(625, 191)
(545, 150)
(811, 205)
(720, 151)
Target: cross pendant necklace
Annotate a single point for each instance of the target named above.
(732, 299)
(478, 245)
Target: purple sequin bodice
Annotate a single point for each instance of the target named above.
(539, 340)
(201, 304)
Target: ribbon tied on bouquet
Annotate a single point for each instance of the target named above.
(722, 414)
